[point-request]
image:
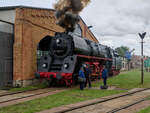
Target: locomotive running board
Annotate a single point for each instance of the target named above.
(94, 58)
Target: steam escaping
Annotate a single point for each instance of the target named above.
(67, 12)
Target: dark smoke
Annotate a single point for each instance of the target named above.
(67, 12)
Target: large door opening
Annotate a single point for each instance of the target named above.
(6, 53)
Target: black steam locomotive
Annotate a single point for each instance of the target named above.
(63, 55)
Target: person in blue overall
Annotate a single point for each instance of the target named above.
(105, 75)
(87, 73)
(82, 75)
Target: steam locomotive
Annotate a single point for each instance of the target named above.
(64, 54)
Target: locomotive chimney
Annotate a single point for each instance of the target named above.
(67, 12)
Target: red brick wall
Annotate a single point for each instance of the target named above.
(31, 25)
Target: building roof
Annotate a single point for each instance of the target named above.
(88, 28)
(21, 6)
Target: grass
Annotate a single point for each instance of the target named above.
(148, 98)
(39, 86)
(146, 110)
(62, 98)
(128, 80)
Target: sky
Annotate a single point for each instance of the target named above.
(115, 22)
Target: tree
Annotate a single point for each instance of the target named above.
(122, 50)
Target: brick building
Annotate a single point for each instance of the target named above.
(135, 62)
(21, 30)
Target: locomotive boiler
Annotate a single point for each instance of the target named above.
(64, 54)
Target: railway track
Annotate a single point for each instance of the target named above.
(21, 96)
(97, 105)
(17, 92)
(126, 106)
(108, 101)
(9, 98)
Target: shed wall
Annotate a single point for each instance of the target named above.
(8, 16)
(31, 25)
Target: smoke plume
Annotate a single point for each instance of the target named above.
(67, 12)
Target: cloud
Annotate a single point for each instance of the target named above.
(116, 22)
(119, 22)
(118, 18)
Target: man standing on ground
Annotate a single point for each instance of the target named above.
(87, 72)
(81, 78)
(105, 75)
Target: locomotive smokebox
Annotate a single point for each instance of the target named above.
(61, 45)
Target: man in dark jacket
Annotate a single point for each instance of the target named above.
(105, 75)
(82, 76)
(87, 72)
